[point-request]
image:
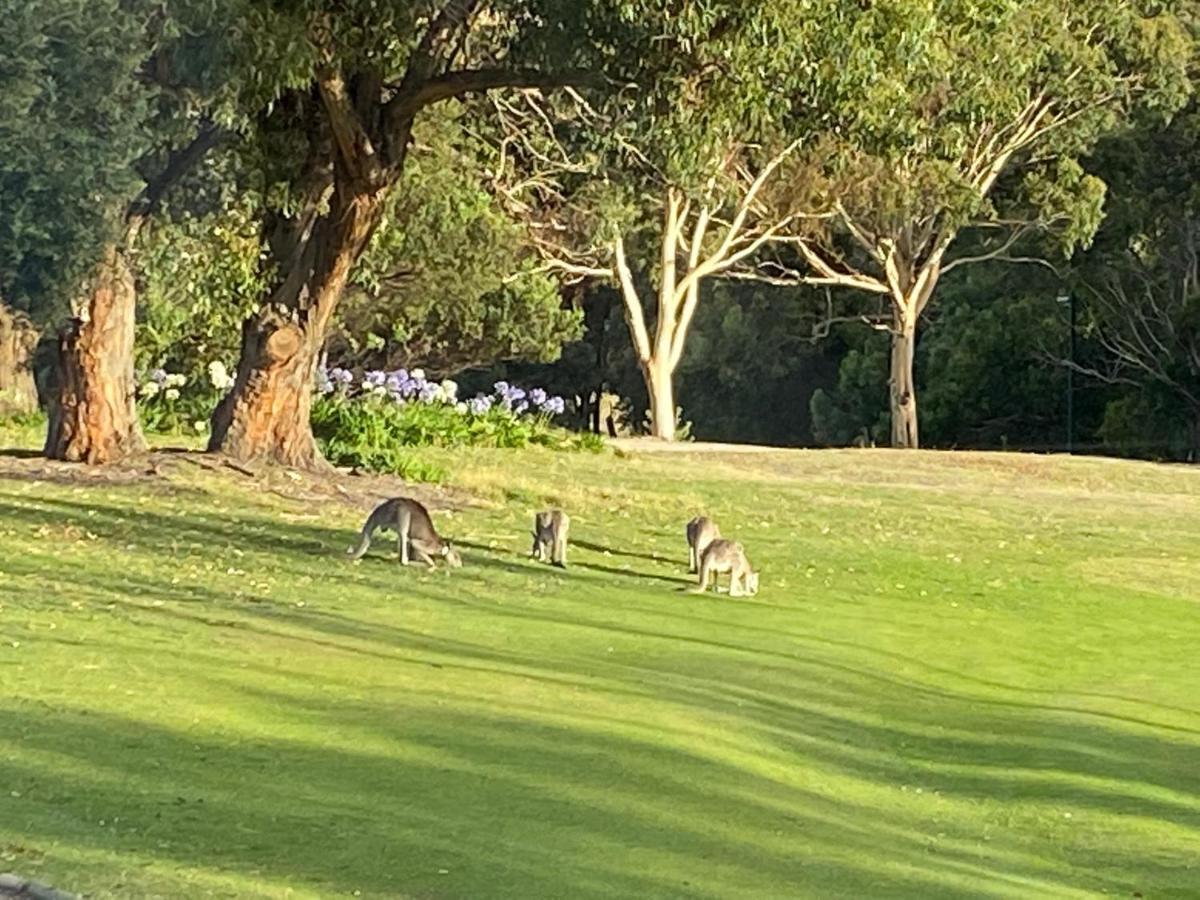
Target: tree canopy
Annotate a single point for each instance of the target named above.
(73, 112)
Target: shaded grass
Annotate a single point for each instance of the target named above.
(962, 678)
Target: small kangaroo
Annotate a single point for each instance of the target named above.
(414, 529)
(701, 532)
(721, 557)
(550, 531)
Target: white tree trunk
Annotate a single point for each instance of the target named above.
(901, 386)
(661, 389)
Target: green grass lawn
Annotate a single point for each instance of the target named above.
(965, 676)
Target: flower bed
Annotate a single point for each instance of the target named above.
(373, 421)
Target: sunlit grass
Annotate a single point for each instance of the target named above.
(965, 676)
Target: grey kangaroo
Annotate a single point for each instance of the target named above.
(722, 557)
(550, 531)
(701, 532)
(415, 533)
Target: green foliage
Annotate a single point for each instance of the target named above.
(72, 115)
(377, 434)
(174, 402)
(446, 283)
(750, 366)
(200, 277)
(1137, 288)
(855, 410)
(913, 93)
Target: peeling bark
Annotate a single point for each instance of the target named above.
(901, 385)
(265, 416)
(18, 338)
(93, 418)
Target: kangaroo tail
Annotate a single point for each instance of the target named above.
(364, 541)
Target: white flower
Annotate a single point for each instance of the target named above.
(149, 389)
(176, 380)
(417, 374)
(461, 408)
(450, 390)
(200, 426)
(171, 393)
(219, 375)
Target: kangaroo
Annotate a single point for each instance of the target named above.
(701, 532)
(415, 533)
(550, 531)
(721, 557)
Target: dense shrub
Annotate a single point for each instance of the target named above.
(372, 422)
(175, 402)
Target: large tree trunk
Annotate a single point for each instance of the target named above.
(901, 386)
(18, 337)
(93, 418)
(661, 390)
(265, 416)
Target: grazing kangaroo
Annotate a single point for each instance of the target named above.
(701, 532)
(721, 557)
(414, 529)
(550, 531)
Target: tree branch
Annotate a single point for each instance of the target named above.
(474, 81)
(179, 163)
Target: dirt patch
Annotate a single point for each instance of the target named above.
(168, 467)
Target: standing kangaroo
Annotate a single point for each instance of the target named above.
(414, 529)
(550, 531)
(701, 532)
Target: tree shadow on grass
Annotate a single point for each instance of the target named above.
(632, 554)
(512, 803)
(601, 794)
(424, 798)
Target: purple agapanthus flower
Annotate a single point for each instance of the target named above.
(521, 406)
(428, 392)
(554, 405)
(374, 379)
(537, 397)
(479, 405)
(159, 376)
(341, 376)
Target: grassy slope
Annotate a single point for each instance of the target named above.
(966, 676)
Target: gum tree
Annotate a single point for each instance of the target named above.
(70, 128)
(955, 116)
(345, 82)
(682, 173)
(102, 115)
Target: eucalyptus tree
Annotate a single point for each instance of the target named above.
(104, 110)
(683, 172)
(71, 113)
(1139, 285)
(343, 85)
(955, 115)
